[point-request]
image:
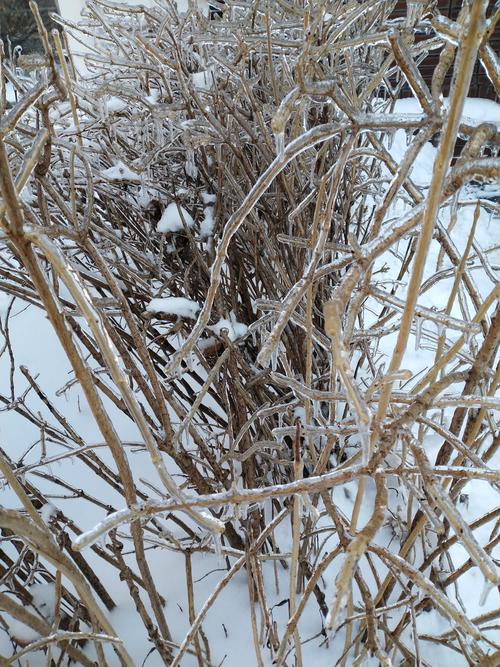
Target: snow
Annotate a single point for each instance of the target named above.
(203, 80)
(47, 512)
(208, 198)
(120, 172)
(476, 110)
(27, 195)
(237, 645)
(202, 5)
(10, 93)
(234, 328)
(207, 224)
(174, 305)
(172, 217)
(44, 601)
(44, 598)
(116, 104)
(420, 172)
(153, 98)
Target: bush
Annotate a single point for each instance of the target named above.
(239, 232)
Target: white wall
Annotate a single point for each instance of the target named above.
(72, 9)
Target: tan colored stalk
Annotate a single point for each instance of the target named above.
(355, 552)
(43, 543)
(40, 625)
(68, 83)
(296, 538)
(72, 282)
(23, 247)
(428, 587)
(462, 76)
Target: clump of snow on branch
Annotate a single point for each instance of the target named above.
(234, 329)
(173, 218)
(174, 305)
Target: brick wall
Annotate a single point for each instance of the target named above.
(480, 85)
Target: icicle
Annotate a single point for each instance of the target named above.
(364, 436)
(418, 331)
(468, 335)
(218, 549)
(279, 138)
(191, 168)
(308, 509)
(487, 588)
(268, 511)
(274, 359)
(413, 12)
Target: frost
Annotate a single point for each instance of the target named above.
(171, 220)
(120, 172)
(174, 305)
(207, 224)
(235, 329)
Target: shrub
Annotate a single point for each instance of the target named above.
(239, 231)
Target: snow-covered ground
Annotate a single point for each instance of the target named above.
(36, 347)
(227, 624)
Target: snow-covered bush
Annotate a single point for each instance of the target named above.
(262, 426)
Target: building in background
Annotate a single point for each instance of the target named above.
(18, 27)
(480, 86)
